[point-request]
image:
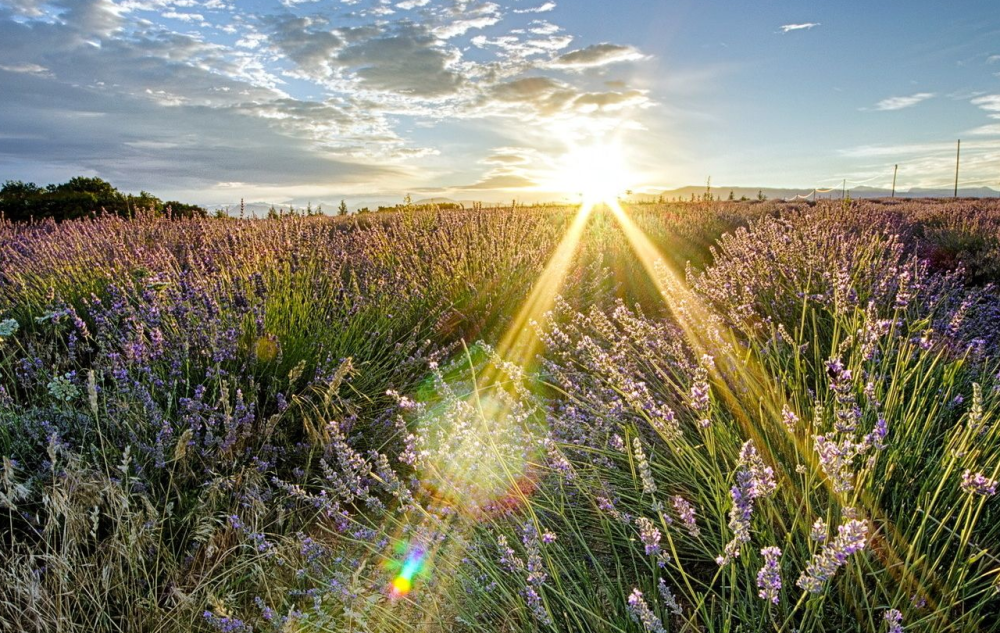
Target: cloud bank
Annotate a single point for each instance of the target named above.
(194, 95)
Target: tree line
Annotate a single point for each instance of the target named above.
(82, 197)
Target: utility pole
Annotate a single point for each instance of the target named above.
(958, 156)
(894, 171)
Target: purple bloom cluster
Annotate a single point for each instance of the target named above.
(852, 536)
(226, 624)
(686, 513)
(649, 535)
(642, 614)
(819, 531)
(978, 484)
(532, 567)
(642, 464)
(669, 599)
(754, 480)
(769, 576)
(895, 620)
(788, 418)
(700, 390)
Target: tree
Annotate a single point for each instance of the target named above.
(81, 197)
(731, 196)
(184, 210)
(342, 209)
(761, 196)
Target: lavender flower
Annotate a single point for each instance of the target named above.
(976, 412)
(769, 576)
(754, 480)
(534, 602)
(645, 473)
(642, 614)
(851, 537)
(669, 599)
(819, 531)
(649, 535)
(895, 620)
(700, 400)
(617, 443)
(846, 410)
(531, 565)
(700, 396)
(978, 484)
(836, 458)
(225, 624)
(758, 476)
(685, 511)
(788, 418)
(877, 437)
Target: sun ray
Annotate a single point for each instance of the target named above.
(743, 383)
(520, 343)
(448, 513)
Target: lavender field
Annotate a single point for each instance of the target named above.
(723, 416)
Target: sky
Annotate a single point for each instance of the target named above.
(296, 101)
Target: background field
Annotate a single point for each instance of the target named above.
(221, 424)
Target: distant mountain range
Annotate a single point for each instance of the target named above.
(774, 193)
(260, 209)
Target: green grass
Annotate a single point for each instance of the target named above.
(142, 502)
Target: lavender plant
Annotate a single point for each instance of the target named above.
(262, 425)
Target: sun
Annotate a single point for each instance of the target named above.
(597, 172)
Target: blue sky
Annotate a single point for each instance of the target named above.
(302, 100)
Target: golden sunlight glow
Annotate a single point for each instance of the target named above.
(479, 475)
(598, 172)
(520, 343)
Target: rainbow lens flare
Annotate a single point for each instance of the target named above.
(403, 582)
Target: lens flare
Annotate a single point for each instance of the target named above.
(414, 564)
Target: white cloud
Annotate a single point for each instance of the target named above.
(990, 103)
(993, 59)
(510, 156)
(787, 28)
(986, 130)
(898, 103)
(31, 69)
(597, 55)
(183, 17)
(541, 27)
(460, 27)
(548, 6)
(144, 102)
